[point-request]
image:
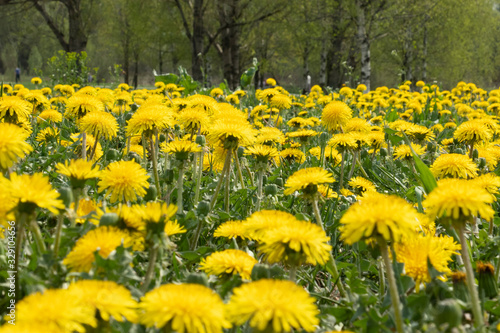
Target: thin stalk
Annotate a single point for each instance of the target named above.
(250, 176)
(37, 234)
(84, 146)
(196, 235)
(336, 275)
(393, 289)
(198, 178)
(92, 152)
(342, 171)
(381, 278)
(76, 198)
(292, 274)
(238, 167)
(226, 188)
(363, 169)
(476, 306)
(153, 253)
(354, 159)
(144, 155)
(260, 181)
(57, 242)
(128, 145)
(471, 151)
(155, 167)
(322, 157)
(180, 187)
(227, 164)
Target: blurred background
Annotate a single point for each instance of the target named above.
(335, 42)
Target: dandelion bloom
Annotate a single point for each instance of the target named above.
(343, 141)
(457, 198)
(259, 223)
(36, 80)
(79, 105)
(296, 242)
(233, 131)
(231, 229)
(99, 123)
(78, 171)
(186, 308)
(489, 182)
(50, 115)
(281, 101)
(307, 178)
(415, 251)
(455, 166)
(230, 262)
(216, 92)
(262, 153)
(107, 297)
(293, 154)
(193, 119)
(14, 109)
(150, 117)
(181, 148)
(31, 191)
(104, 240)
(270, 136)
(335, 114)
(404, 152)
(361, 185)
(124, 180)
(387, 216)
(13, 145)
(54, 310)
(473, 131)
(273, 305)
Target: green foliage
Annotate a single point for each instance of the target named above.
(68, 68)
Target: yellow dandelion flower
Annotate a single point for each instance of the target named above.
(233, 99)
(343, 141)
(12, 144)
(270, 136)
(36, 80)
(473, 131)
(14, 109)
(296, 242)
(79, 105)
(415, 251)
(457, 198)
(229, 262)
(327, 192)
(335, 114)
(209, 104)
(402, 152)
(157, 212)
(361, 185)
(259, 223)
(193, 119)
(99, 124)
(281, 101)
(455, 166)
(54, 310)
(31, 191)
(38, 100)
(231, 229)
(186, 308)
(104, 240)
(271, 82)
(150, 117)
(357, 125)
(78, 171)
(124, 180)
(387, 216)
(273, 305)
(50, 115)
(293, 154)
(216, 92)
(231, 131)
(47, 134)
(307, 180)
(262, 153)
(87, 209)
(488, 181)
(181, 149)
(107, 297)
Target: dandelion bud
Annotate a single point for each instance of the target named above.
(323, 139)
(260, 271)
(486, 280)
(459, 286)
(449, 313)
(112, 155)
(108, 219)
(271, 189)
(201, 140)
(481, 162)
(66, 195)
(475, 154)
(203, 208)
(384, 152)
(151, 193)
(197, 278)
(279, 182)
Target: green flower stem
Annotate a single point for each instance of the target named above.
(180, 185)
(196, 235)
(341, 183)
(37, 234)
(226, 189)
(260, 180)
(128, 145)
(292, 274)
(497, 270)
(153, 253)
(238, 167)
(354, 159)
(476, 306)
(92, 152)
(198, 178)
(250, 176)
(155, 168)
(333, 265)
(57, 242)
(363, 169)
(393, 289)
(84, 146)
(322, 156)
(227, 164)
(144, 155)
(76, 198)
(381, 278)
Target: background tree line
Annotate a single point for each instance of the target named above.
(375, 42)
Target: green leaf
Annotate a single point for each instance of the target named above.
(391, 116)
(247, 76)
(167, 78)
(426, 176)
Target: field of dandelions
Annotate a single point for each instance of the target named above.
(203, 211)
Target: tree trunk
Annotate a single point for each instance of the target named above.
(23, 55)
(424, 64)
(197, 41)
(364, 45)
(136, 70)
(323, 65)
(228, 14)
(126, 58)
(77, 36)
